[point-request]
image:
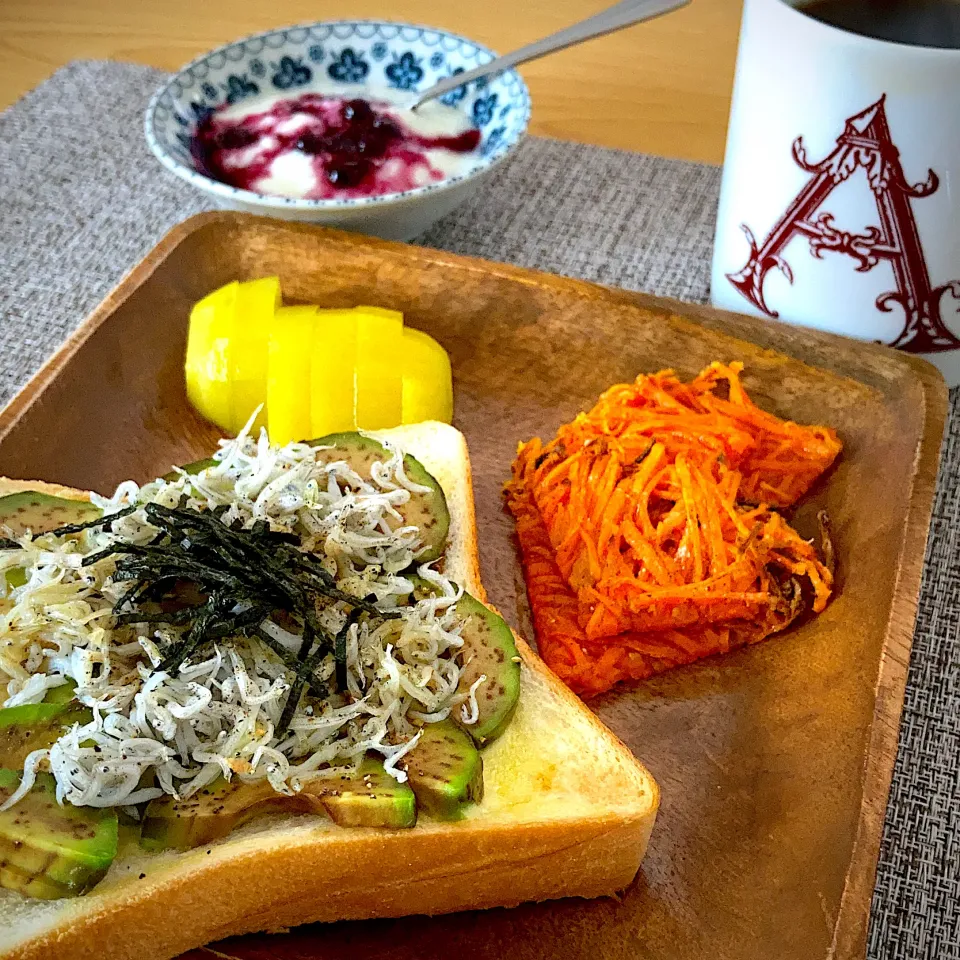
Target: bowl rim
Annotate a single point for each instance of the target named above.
(237, 194)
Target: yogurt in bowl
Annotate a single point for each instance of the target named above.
(321, 145)
(310, 123)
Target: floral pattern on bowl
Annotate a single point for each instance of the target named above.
(347, 54)
(405, 73)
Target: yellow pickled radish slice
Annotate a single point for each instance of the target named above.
(379, 368)
(333, 362)
(257, 302)
(208, 351)
(288, 374)
(427, 381)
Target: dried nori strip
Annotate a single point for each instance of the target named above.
(317, 687)
(89, 524)
(308, 663)
(217, 580)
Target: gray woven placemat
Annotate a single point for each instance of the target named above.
(81, 201)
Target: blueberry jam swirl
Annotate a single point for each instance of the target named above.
(323, 147)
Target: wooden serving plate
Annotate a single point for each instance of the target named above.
(775, 761)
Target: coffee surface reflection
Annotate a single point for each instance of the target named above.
(921, 23)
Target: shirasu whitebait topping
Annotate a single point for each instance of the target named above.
(220, 711)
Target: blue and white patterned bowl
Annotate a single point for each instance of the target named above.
(352, 54)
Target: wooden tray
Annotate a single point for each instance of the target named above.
(775, 762)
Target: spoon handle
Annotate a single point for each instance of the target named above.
(620, 15)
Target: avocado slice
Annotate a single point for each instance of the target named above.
(489, 650)
(39, 512)
(427, 511)
(62, 694)
(191, 468)
(128, 828)
(29, 714)
(35, 726)
(423, 589)
(445, 770)
(211, 813)
(52, 851)
(369, 797)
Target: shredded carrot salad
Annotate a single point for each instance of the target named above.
(650, 533)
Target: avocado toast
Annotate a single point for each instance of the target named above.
(565, 810)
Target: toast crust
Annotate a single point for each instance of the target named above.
(588, 843)
(273, 886)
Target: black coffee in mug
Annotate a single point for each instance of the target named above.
(921, 23)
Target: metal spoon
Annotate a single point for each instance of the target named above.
(620, 15)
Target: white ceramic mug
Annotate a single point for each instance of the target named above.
(840, 203)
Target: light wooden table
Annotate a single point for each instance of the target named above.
(661, 87)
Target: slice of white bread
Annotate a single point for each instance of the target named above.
(567, 811)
